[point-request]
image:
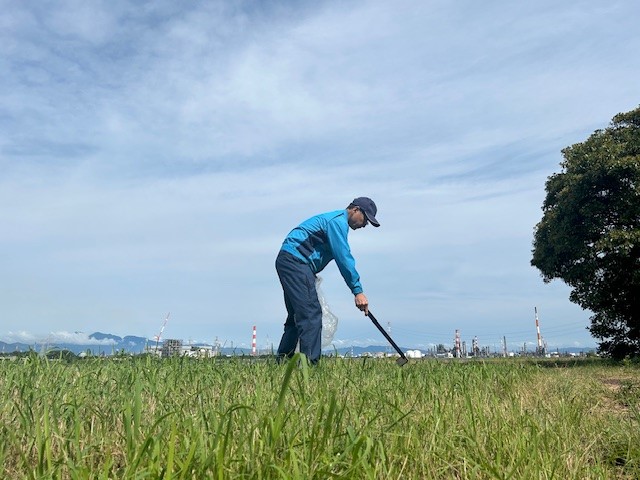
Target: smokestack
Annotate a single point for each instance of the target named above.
(253, 342)
(541, 350)
(535, 309)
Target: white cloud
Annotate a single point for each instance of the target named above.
(154, 157)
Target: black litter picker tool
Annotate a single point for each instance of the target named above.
(402, 360)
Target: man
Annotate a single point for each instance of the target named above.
(305, 252)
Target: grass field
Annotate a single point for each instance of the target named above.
(364, 418)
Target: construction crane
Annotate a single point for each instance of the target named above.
(159, 336)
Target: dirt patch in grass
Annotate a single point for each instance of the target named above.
(622, 393)
(612, 384)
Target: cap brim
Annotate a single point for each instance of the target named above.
(372, 220)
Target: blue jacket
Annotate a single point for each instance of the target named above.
(323, 238)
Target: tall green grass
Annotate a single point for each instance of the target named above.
(367, 419)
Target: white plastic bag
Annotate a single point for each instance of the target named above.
(329, 320)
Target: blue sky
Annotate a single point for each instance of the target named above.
(155, 154)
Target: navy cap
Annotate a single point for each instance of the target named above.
(369, 209)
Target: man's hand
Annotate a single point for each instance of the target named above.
(362, 303)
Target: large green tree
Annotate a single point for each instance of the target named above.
(589, 235)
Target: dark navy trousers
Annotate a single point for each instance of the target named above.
(304, 313)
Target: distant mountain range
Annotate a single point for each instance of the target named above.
(107, 344)
(98, 344)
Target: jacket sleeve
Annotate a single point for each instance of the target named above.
(337, 234)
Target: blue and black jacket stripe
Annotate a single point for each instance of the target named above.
(323, 238)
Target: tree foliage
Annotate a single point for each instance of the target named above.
(589, 235)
